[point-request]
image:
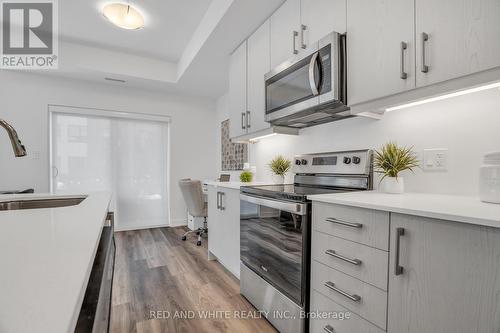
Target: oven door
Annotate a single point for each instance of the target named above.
(274, 243)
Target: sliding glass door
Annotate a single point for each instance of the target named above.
(125, 156)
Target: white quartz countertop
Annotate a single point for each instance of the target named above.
(439, 206)
(234, 185)
(46, 257)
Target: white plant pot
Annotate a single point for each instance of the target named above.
(277, 179)
(393, 185)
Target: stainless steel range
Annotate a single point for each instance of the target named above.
(275, 226)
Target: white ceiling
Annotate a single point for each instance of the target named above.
(169, 25)
(183, 48)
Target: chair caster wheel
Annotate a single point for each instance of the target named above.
(198, 243)
(183, 238)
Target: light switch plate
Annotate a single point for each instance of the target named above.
(435, 159)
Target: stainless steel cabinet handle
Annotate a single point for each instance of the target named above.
(302, 29)
(328, 329)
(403, 74)
(312, 80)
(398, 270)
(348, 224)
(425, 67)
(242, 120)
(249, 121)
(331, 285)
(294, 36)
(334, 254)
(221, 201)
(218, 200)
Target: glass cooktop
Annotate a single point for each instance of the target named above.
(287, 191)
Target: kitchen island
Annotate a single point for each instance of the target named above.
(47, 256)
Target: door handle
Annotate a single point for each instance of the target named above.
(249, 120)
(243, 120)
(331, 285)
(303, 28)
(398, 269)
(425, 67)
(221, 201)
(334, 254)
(403, 74)
(347, 224)
(294, 37)
(312, 80)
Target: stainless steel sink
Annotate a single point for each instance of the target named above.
(40, 203)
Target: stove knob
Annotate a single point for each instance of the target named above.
(304, 162)
(356, 160)
(347, 160)
(297, 162)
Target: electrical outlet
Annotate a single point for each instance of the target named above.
(435, 159)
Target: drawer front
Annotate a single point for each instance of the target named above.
(372, 303)
(360, 261)
(365, 226)
(338, 319)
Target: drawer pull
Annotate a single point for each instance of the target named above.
(348, 224)
(398, 269)
(331, 285)
(328, 329)
(334, 254)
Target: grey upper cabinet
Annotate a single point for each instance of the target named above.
(238, 91)
(450, 277)
(462, 38)
(258, 65)
(380, 48)
(319, 18)
(284, 32)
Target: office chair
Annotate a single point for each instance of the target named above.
(192, 192)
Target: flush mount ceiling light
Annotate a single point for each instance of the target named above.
(124, 16)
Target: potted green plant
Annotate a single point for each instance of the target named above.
(246, 176)
(280, 166)
(390, 161)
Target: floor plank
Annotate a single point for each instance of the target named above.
(156, 271)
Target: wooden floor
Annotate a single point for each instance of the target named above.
(156, 271)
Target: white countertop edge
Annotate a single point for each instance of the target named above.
(235, 185)
(467, 209)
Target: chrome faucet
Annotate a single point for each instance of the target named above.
(17, 146)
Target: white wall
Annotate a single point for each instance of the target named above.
(468, 126)
(24, 99)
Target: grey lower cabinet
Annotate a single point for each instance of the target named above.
(433, 276)
(449, 280)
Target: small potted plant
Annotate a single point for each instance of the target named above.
(280, 166)
(246, 176)
(390, 162)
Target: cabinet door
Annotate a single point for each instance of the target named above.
(229, 232)
(321, 17)
(450, 280)
(213, 220)
(238, 91)
(376, 30)
(284, 22)
(463, 38)
(258, 65)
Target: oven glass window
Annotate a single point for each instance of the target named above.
(271, 245)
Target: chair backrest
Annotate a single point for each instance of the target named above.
(192, 192)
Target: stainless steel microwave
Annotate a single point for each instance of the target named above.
(310, 88)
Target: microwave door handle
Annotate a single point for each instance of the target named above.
(312, 79)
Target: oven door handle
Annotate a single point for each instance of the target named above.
(291, 207)
(312, 80)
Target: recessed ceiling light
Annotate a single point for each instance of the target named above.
(124, 16)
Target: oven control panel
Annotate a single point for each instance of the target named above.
(347, 162)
